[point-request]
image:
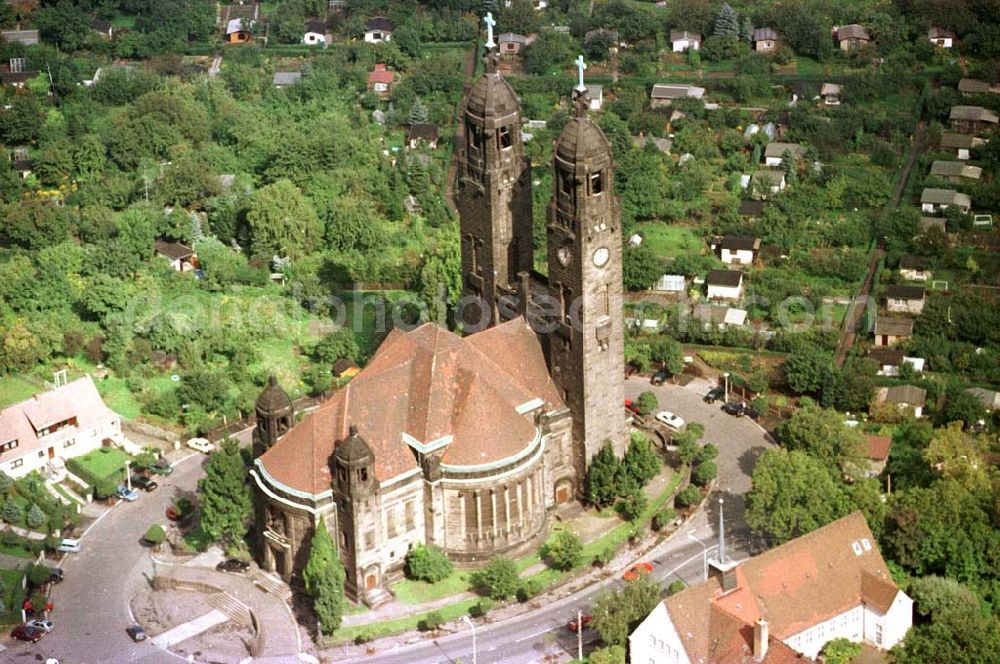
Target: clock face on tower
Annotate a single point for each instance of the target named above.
(601, 256)
(565, 255)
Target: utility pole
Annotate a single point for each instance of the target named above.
(579, 635)
(128, 476)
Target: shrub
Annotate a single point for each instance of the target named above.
(155, 535)
(35, 518)
(428, 563)
(675, 587)
(481, 608)
(5, 483)
(105, 488)
(11, 512)
(430, 622)
(707, 453)
(529, 588)
(647, 403)
(498, 580)
(689, 496)
(37, 574)
(704, 473)
(631, 506)
(364, 637)
(564, 549)
(664, 518)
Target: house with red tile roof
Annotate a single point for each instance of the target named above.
(40, 433)
(781, 606)
(380, 80)
(460, 442)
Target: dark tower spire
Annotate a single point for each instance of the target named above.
(493, 198)
(585, 277)
(275, 416)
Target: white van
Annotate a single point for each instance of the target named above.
(69, 546)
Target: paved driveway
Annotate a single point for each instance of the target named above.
(91, 604)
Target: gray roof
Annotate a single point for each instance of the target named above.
(973, 85)
(912, 262)
(945, 197)
(740, 243)
(890, 357)
(599, 32)
(853, 31)
(724, 278)
(927, 223)
(973, 113)
(939, 33)
(595, 91)
(989, 398)
(830, 89)
(316, 25)
(677, 35)
(950, 140)
(906, 394)
(895, 292)
(765, 34)
(779, 149)
(895, 327)
(751, 208)
(661, 144)
(26, 37)
(287, 77)
(950, 169)
(773, 177)
(676, 91)
(512, 37)
(379, 23)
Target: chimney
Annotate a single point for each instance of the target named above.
(760, 639)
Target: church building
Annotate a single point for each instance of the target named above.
(467, 442)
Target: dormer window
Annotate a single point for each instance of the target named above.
(596, 183)
(503, 137)
(9, 445)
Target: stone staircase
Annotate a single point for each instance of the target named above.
(270, 584)
(237, 611)
(376, 597)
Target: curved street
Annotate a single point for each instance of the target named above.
(92, 604)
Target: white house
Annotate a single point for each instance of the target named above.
(934, 200)
(960, 144)
(830, 93)
(316, 32)
(378, 30)
(737, 249)
(725, 285)
(53, 426)
(784, 604)
(595, 96)
(767, 181)
(182, 258)
(941, 37)
(891, 360)
(774, 153)
(682, 40)
(670, 283)
(664, 94)
(905, 397)
(913, 268)
(904, 299)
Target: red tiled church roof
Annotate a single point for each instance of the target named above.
(429, 384)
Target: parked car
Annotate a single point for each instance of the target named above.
(669, 419)
(715, 394)
(69, 546)
(631, 406)
(143, 482)
(659, 377)
(44, 625)
(161, 467)
(739, 409)
(584, 623)
(201, 445)
(637, 570)
(136, 633)
(28, 606)
(125, 493)
(56, 574)
(233, 565)
(27, 633)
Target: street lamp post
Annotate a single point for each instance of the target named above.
(579, 635)
(472, 626)
(725, 375)
(704, 554)
(128, 476)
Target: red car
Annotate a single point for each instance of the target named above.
(584, 623)
(26, 633)
(637, 570)
(28, 607)
(631, 407)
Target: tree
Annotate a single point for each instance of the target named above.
(669, 353)
(727, 23)
(965, 635)
(641, 462)
(604, 469)
(499, 580)
(641, 267)
(964, 407)
(959, 455)
(806, 370)
(564, 549)
(418, 112)
(633, 502)
(550, 51)
(704, 473)
(38, 575)
(282, 221)
(841, 651)
(288, 23)
(323, 577)
(11, 512)
(204, 388)
(225, 499)
(792, 494)
(647, 403)
(64, 23)
(6, 483)
(155, 535)
(336, 345)
(35, 518)
(441, 277)
(608, 655)
(688, 496)
(428, 563)
(935, 595)
(617, 614)
(822, 433)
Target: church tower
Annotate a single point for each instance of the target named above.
(494, 201)
(275, 416)
(356, 491)
(586, 350)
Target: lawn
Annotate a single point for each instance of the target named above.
(198, 539)
(14, 389)
(12, 595)
(385, 628)
(99, 464)
(669, 239)
(418, 592)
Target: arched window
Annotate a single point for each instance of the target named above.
(596, 183)
(363, 474)
(504, 139)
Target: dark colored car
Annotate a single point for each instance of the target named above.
(56, 574)
(144, 483)
(233, 565)
(739, 409)
(584, 623)
(715, 394)
(27, 633)
(161, 467)
(659, 377)
(136, 633)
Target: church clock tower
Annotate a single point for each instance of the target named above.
(494, 202)
(586, 351)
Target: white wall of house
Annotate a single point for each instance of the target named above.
(739, 256)
(848, 625)
(905, 306)
(377, 36)
(313, 38)
(885, 631)
(773, 162)
(913, 275)
(682, 45)
(656, 641)
(63, 444)
(943, 42)
(962, 153)
(380, 87)
(725, 292)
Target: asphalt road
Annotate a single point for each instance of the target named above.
(534, 636)
(92, 603)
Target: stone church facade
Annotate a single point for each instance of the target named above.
(467, 442)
